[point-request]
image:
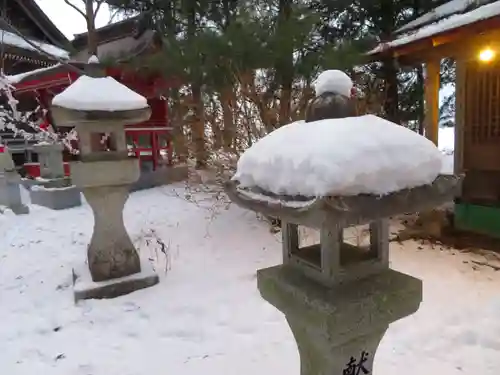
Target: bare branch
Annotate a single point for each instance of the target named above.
(99, 4)
(114, 14)
(75, 8)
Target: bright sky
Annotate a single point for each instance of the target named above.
(68, 20)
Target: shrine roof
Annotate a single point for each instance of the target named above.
(446, 10)
(448, 18)
(42, 73)
(119, 40)
(20, 46)
(43, 22)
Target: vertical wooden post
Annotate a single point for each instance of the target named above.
(460, 103)
(290, 238)
(170, 150)
(432, 82)
(154, 149)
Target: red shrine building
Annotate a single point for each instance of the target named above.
(150, 141)
(18, 56)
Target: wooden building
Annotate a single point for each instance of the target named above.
(469, 33)
(16, 54)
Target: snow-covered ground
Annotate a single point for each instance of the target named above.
(206, 316)
(446, 143)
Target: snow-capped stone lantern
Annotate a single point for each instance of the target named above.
(10, 189)
(340, 296)
(101, 107)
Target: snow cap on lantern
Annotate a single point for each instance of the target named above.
(346, 172)
(334, 97)
(96, 106)
(333, 81)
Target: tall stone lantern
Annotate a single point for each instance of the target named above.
(339, 299)
(97, 107)
(339, 296)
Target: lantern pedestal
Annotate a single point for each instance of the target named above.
(338, 329)
(55, 198)
(113, 262)
(85, 288)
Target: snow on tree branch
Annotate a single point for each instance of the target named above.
(13, 120)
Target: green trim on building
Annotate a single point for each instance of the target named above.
(479, 219)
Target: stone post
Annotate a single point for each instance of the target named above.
(105, 186)
(10, 189)
(338, 329)
(340, 302)
(104, 176)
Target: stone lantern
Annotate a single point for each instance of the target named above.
(10, 190)
(339, 299)
(97, 107)
(53, 189)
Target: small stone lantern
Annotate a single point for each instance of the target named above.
(10, 190)
(51, 160)
(97, 107)
(53, 189)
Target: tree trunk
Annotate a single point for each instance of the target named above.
(228, 133)
(211, 119)
(389, 69)
(197, 121)
(198, 127)
(420, 104)
(284, 66)
(179, 139)
(91, 35)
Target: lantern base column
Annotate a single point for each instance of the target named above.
(338, 329)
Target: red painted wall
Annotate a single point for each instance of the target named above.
(33, 169)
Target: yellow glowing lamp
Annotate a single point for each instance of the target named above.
(486, 55)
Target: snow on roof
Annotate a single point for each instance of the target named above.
(16, 78)
(455, 21)
(14, 40)
(348, 156)
(442, 11)
(99, 94)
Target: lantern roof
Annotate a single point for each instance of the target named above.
(99, 94)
